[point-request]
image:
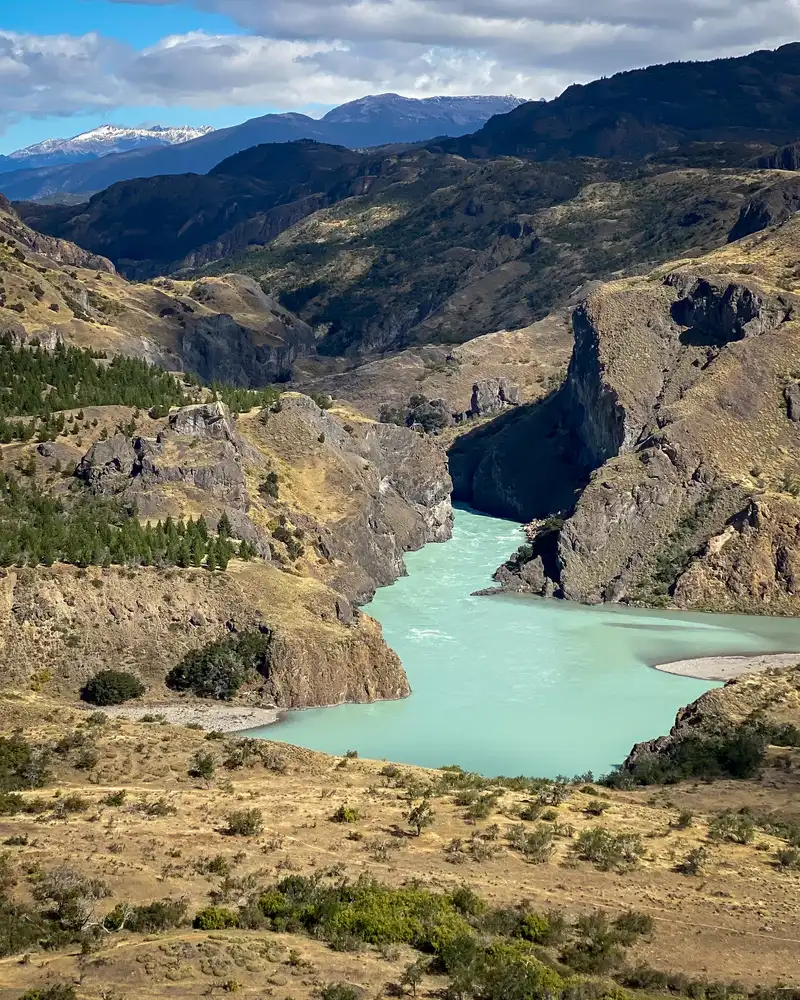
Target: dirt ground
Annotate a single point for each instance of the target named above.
(740, 920)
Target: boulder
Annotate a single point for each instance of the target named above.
(105, 460)
(203, 420)
(492, 395)
(792, 396)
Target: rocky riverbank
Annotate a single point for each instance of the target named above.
(210, 718)
(726, 668)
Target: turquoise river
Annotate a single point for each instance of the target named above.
(518, 685)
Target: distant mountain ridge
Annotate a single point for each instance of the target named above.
(370, 121)
(98, 142)
(752, 99)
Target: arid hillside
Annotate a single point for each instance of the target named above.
(449, 254)
(679, 407)
(223, 329)
(164, 863)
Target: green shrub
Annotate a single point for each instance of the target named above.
(215, 918)
(363, 911)
(788, 858)
(538, 845)
(11, 803)
(738, 828)
(22, 764)
(339, 991)
(202, 766)
(693, 863)
(114, 798)
(482, 807)
(150, 918)
(609, 851)
(599, 941)
(420, 816)
(59, 991)
(220, 669)
(738, 753)
(345, 814)
(684, 820)
(535, 928)
(245, 823)
(112, 687)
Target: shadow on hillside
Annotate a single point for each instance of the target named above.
(524, 464)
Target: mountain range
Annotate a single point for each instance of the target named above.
(370, 121)
(99, 142)
(747, 102)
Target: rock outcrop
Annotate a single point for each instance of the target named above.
(361, 493)
(679, 404)
(328, 501)
(220, 329)
(145, 621)
(493, 395)
(769, 698)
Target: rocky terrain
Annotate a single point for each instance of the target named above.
(453, 249)
(223, 328)
(327, 500)
(768, 699)
(678, 439)
(344, 499)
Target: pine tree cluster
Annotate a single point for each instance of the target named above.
(244, 400)
(89, 531)
(40, 383)
(37, 381)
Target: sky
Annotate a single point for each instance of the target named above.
(69, 65)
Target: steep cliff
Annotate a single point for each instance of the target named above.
(328, 501)
(223, 329)
(769, 701)
(679, 403)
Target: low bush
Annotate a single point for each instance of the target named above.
(215, 918)
(537, 845)
(693, 863)
(114, 798)
(609, 851)
(339, 991)
(345, 814)
(738, 828)
(788, 858)
(202, 766)
(245, 823)
(112, 687)
(150, 918)
(58, 991)
(599, 944)
(22, 764)
(738, 753)
(220, 669)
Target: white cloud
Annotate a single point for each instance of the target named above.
(300, 52)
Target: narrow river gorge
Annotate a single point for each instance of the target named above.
(520, 685)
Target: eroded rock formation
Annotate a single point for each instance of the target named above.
(679, 405)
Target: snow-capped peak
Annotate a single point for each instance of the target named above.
(451, 110)
(101, 141)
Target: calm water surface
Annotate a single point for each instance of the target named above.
(515, 685)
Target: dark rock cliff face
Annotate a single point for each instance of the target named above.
(768, 208)
(661, 467)
(248, 340)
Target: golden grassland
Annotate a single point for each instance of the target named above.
(738, 920)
